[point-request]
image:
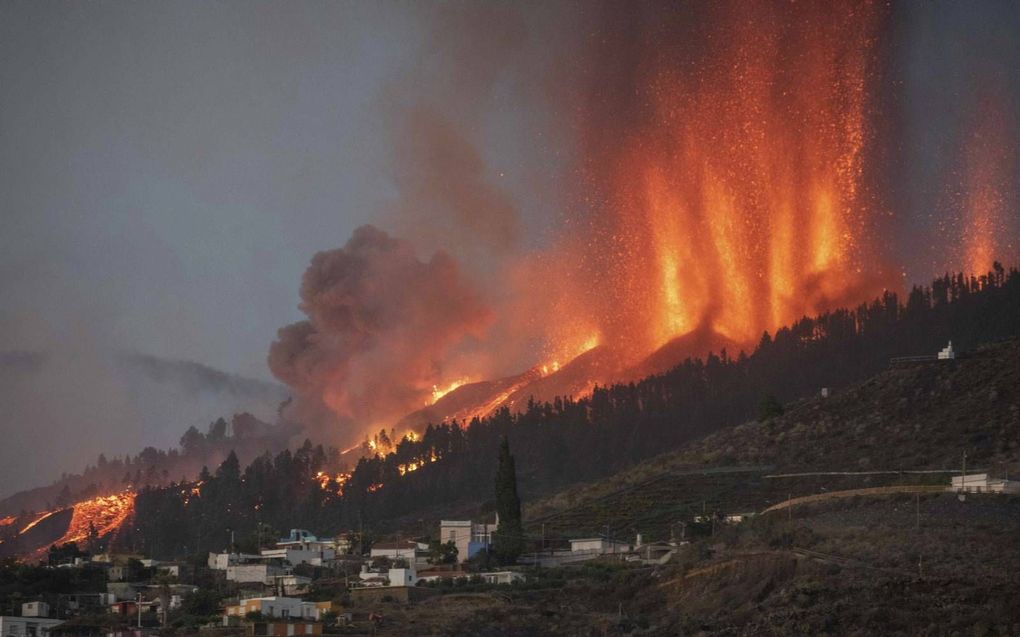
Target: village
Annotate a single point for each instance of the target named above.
(280, 590)
(306, 585)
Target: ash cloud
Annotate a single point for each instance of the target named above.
(382, 325)
(445, 186)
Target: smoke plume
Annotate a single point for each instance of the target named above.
(381, 327)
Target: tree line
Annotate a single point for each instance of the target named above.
(568, 440)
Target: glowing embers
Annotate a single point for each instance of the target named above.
(416, 464)
(567, 351)
(334, 482)
(989, 191)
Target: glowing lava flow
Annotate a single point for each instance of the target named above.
(28, 527)
(439, 392)
(104, 514)
(725, 176)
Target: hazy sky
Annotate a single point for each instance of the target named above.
(167, 169)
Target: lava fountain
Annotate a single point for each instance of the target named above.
(724, 173)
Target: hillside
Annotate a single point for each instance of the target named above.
(920, 417)
(919, 562)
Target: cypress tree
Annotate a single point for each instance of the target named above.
(508, 542)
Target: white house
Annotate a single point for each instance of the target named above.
(254, 573)
(469, 537)
(737, 518)
(982, 483)
(401, 576)
(947, 353)
(35, 609)
(27, 626)
(297, 554)
(502, 577)
(599, 546)
(32, 623)
(413, 552)
(220, 561)
(278, 607)
(299, 538)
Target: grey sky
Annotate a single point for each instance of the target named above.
(168, 169)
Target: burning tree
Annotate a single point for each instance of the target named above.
(508, 541)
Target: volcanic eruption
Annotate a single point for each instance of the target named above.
(720, 188)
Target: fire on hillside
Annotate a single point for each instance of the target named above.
(725, 186)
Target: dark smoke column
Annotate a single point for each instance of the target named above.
(381, 326)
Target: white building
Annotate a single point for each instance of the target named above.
(982, 483)
(304, 540)
(469, 537)
(599, 546)
(220, 561)
(277, 607)
(32, 623)
(254, 573)
(737, 518)
(416, 553)
(27, 626)
(35, 609)
(502, 577)
(401, 576)
(297, 554)
(947, 353)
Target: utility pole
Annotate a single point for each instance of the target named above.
(139, 603)
(963, 479)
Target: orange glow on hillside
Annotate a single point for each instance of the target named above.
(333, 483)
(28, 527)
(105, 514)
(439, 392)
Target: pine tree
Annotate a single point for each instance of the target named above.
(508, 541)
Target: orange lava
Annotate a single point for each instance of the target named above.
(733, 200)
(105, 514)
(438, 392)
(28, 527)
